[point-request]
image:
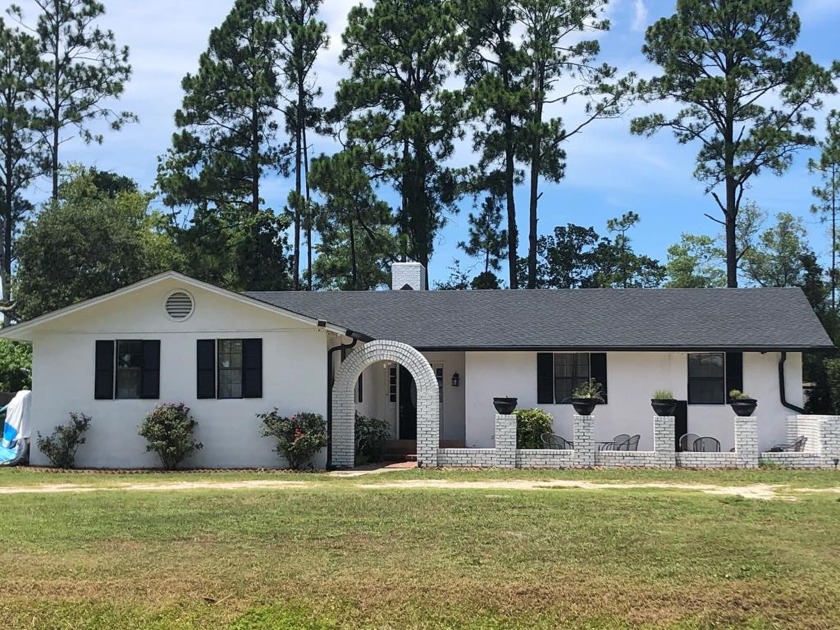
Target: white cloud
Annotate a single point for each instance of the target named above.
(640, 15)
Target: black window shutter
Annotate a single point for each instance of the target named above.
(734, 372)
(545, 378)
(598, 370)
(206, 368)
(103, 388)
(150, 374)
(252, 368)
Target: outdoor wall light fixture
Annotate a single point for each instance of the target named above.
(456, 380)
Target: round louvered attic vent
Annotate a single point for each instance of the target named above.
(179, 305)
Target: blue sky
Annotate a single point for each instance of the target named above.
(608, 172)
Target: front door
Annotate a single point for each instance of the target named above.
(680, 422)
(407, 406)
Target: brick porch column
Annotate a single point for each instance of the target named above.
(746, 441)
(505, 441)
(664, 455)
(584, 439)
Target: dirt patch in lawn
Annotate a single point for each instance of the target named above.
(754, 491)
(763, 492)
(266, 484)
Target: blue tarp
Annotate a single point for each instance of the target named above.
(12, 447)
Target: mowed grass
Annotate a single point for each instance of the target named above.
(337, 555)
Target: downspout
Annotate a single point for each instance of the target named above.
(782, 398)
(356, 337)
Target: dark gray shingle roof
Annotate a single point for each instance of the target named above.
(620, 319)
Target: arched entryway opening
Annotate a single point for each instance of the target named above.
(344, 404)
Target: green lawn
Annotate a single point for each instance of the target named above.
(333, 554)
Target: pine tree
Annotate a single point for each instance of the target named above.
(493, 67)
(400, 54)
(304, 38)
(357, 243)
(828, 166)
(553, 40)
(21, 147)
(722, 62)
(82, 69)
(225, 148)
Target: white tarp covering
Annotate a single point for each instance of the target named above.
(17, 414)
(13, 442)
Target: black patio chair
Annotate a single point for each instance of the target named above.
(687, 442)
(794, 447)
(632, 444)
(614, 444)
(552, 441)
(706, 445)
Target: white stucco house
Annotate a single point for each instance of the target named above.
(429, 362)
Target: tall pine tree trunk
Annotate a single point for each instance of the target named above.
(510, 175)
(536, 169)
(307, 213)
(298, 188)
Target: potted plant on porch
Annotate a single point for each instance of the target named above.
(505, 405)
(741, 403)
(663, 402)
(586, 395)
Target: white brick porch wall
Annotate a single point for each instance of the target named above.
(586, 455)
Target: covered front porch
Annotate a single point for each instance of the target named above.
(387, 390)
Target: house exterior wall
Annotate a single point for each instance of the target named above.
(632, 377)
(294, 378)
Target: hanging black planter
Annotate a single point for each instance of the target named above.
(743, 407)
(664, 406)
(505, 406)
(584, 406)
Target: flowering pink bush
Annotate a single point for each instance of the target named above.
(298, 437)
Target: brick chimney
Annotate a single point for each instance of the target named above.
(408, 276)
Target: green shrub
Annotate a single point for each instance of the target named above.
(530, 425)
(832, 370)
(169, 431)
(371, 435)
(15, 365)
(298, 437)
(60, 447)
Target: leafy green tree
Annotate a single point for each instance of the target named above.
(696, 262)
(89, 243)
(357, 242)
(560, 56)
(21, 147)
(493, 66)
(566, 260)
(400, 54)
(828, 166)
(745, 98)
(777, 257)
(15, 365)
(82, 69)
(486, 238)
(577, 257)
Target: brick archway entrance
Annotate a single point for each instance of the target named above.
(344, 405)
